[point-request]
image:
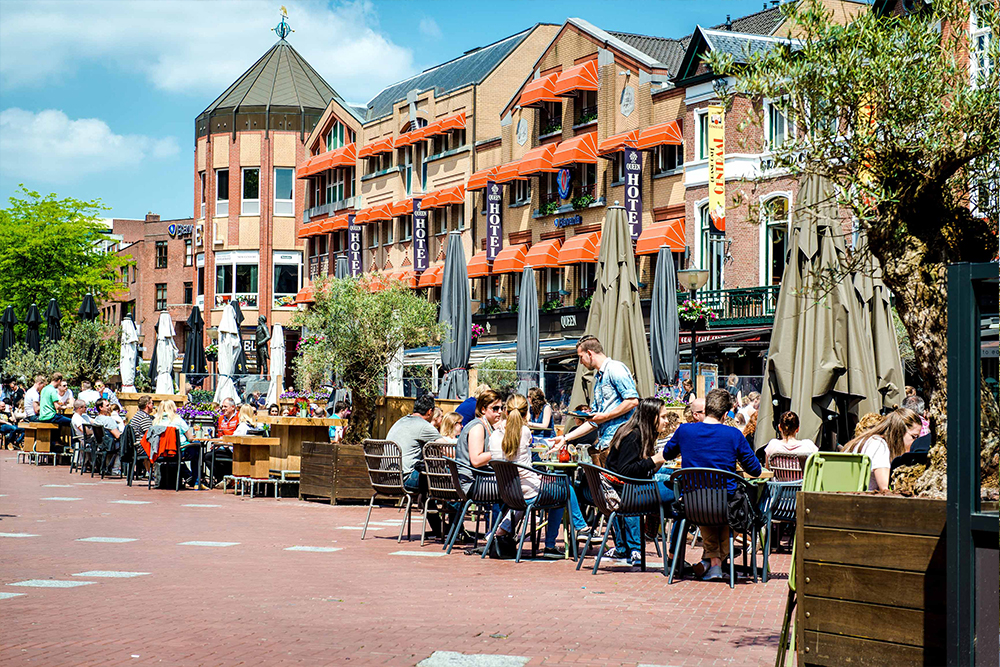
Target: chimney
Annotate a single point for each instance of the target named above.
(775, 3)
(729, 23)
(152, 217)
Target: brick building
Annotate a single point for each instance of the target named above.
(161, 277)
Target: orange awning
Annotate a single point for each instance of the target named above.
(308, 167)
(373, 214)
(540, 90)
(305, 295)
(508, 172)
(510, 259)
(478, 180)
(408, 278)
(580, 77)
(537, 161)
(345, 156)
(401, 208)
(338, 224)
(376, 282)
(612, 145)
(432, 277)
(479, 266)
(581, 248)
(669, 233)
(361, 217)
(376, 147)
(452, 122)
(407, 138)
(578, 150)
(443, 197)
(544, 255)
(309, 229)
(662, 134)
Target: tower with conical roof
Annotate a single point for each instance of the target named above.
(248, 204)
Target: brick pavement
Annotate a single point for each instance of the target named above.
(258, 603)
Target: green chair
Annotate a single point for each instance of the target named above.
(826, 472)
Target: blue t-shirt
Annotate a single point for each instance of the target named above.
(467, 409)
(613, 384)
(718, 446)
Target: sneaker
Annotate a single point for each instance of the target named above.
(701, 568)
(714, 574)
(635, 560)
(584, 534)
(553, 551)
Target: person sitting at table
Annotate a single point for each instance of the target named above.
(712, 444)
(228, 420)
(341, 410)
(108, 393)
(87, 394)
(451, 428)
(540, 414)
(273, 410)
(467, 408)
(473, 442)
(891, 438)
(634, 453)
(12, 435)
(787, 443)
(80, 422)
(65, 396)
(112, 432)
(411, 433)
(246, 418)
(166, 416)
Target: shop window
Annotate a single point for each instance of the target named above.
(287, 278)
(236, 278)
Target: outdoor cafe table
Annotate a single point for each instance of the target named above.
(292, 432)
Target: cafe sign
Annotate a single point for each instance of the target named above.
(717, 169)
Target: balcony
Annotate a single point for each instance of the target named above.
(587, 116)
(327, 209)
(748, 306)
(319, 265)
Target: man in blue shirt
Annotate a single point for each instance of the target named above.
(712, 444)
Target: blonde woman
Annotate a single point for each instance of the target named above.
(892, 437)
(451, 428)
(247, 416)
(166, 415)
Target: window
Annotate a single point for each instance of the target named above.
(124, 272)
(161, 296)
(251, 192)
(284, 192)
(373, 235)
(341, 185)
(711, 251)
(701, 134)
(223, 280)
(161, 254)
(406, 159)
(522, 192)
(775, 212)
(777, 125)
(135, 273)
(439, 224)
(202, 177)
(387, 236)
(201, 280)
(246, 279)
(588, 177)
(618, 167)
(406, 228)
(188, 252)
(221, 193)
(236, 277)
(550, 120)
(553, 284)
(339, 136)
(188, 293)
(980, 38)
(287, 281)
(667, 158)
(586, 107)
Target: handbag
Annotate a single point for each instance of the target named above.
(743, 515)
(611, 497)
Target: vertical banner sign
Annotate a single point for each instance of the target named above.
(716, 169)
(420, 258)
(633, 190)
(353, 246)
(494, 219)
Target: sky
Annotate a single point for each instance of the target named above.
(98, 99)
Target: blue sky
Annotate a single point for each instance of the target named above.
(98, 99)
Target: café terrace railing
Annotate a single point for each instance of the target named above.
(745, 306)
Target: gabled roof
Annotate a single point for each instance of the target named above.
(470, 68)
(280, 78)
(764, 22)
(649, 59)
(665, 50)
(739, 45)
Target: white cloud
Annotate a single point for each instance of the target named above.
(48, 146)
(195, 47)
(429, 28)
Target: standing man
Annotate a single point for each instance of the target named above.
(32, 399)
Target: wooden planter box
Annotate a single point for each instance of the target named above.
(336, 472)
(870, 574)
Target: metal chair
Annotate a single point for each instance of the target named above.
(439, 483)
(482, 492)
(638, 497)
(780, 506)
(132, 453)
(786, 467)
(553, 493)
(384, 459)
(705, 496)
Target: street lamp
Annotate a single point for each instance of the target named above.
(693, 280)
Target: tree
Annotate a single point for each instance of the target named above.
(87, 351)
(886, 108)
(499, 374)
(354, 333)
(51, 248)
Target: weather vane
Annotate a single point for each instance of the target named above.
(282, 29)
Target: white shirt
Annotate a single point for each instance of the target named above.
(530, 482)
(30, 398)
(89, 396)
(79, 421)
(67, 398)
(877, 450)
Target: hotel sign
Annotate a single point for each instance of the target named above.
(633, 190)
(353, 247)
(494, 219)
(420, 258)
(716, 169)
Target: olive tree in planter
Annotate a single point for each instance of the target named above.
(889, 110)
(499, 374)
(355, 333)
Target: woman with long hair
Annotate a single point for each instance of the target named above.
(882, 443)
(472, 448)
(787, 442)
(451, 427)
(166, 415)
(540, 414)
(247, 415)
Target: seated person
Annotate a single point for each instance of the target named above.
(889, 439)
(228, 420)
(140, 423)
(12, 435)
(80, 422)
(107, 393)
(112, 432)
(65, 396)
(451, 428)
(166, 415)
(787, 443)
(273, 410)
(467, 408)
(473, 442)
(411, 433)
(712, 444)
(87, 393)
(540, 414)
(341, 410)
(246, 417)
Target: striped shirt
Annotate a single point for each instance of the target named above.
(140, 423)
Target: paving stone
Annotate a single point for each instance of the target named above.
(110, 574)
(17, 535)
(108, 540)
(62, 498)
(453, 659)
(131, 502)
(51, 583)
(7, 596)
(197, 543)
(316, 549)
(432, 554)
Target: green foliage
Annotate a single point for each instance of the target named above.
(550, 305)
(581, 202)
(88, 351)
(499, 374)
(142, 382)
(583, 302)
(355, 333)
(549, 208)
(200, 396)
(51, 248)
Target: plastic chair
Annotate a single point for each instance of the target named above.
(553, 493)
(780, 506)
(705, 495)
(482, 492)
(439, 482)
(827, 472)
(786, 467)
(384, 459)
(638, 497)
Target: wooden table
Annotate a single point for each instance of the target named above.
(292, 432)
(251, 455)
(130, 401)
